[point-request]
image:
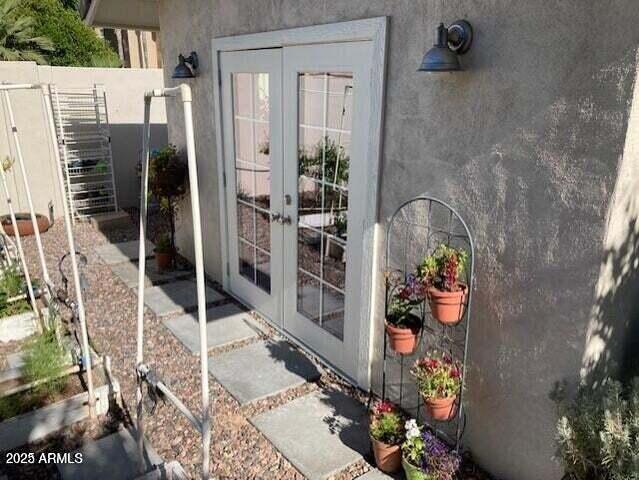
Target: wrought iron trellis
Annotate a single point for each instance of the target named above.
(414, 230)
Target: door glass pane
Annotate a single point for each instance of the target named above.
(253, 176)
(325, 117)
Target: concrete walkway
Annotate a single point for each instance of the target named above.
(320, 433)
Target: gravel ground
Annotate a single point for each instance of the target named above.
(238, 450)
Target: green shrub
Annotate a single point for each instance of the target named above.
(45, 358)
(598, 432)
(75, 43)
(12, 282)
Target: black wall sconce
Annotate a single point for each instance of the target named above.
(186, 66)
(452, 41)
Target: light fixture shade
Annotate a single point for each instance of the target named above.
(186, 66)
(440, 59)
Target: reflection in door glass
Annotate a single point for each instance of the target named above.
(325, 116)
(253, 176)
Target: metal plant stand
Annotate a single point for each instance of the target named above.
(414, 230)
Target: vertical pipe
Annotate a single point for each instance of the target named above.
(86, 351)
(112, 164)
(25, 183)
(199, 274)
(146, 133)
(23, 260)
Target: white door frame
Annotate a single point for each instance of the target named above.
(373, 30)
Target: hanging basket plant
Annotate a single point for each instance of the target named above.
(403, 324)
(439, 381)
(441, 272)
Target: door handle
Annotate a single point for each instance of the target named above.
(281, 219)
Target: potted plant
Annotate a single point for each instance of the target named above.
(425, 457)
(439, 382)
(387, 434)
(440, 272)
(402, 324)
(167, 182)
(164, 252)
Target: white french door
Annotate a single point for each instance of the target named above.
(295, 123)
(252, 117)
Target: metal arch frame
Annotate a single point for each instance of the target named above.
(460, 417)
(203, 423)
(86, 352)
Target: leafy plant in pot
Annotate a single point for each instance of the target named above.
(387, 434)
(167, 175)
(425, 457)
(164, 252)
(439, 381)
(402, 324)
(441, 272)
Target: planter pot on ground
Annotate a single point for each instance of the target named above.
(447, 307)
(414, 473)
(387, 457)
(164, 260)
(442, 409)
(25, 226)
(402, 340)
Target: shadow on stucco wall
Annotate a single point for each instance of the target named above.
(613, 331)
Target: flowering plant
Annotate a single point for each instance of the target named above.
(425, 451)
(387, 424)
(437, 376)
(404, 297)
(443, 267)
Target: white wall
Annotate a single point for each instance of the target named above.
(124, 91)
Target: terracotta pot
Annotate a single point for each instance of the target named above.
(442, 409)
(164, 260)
(402, 340)
(387, 457)
(414, 473)
(447, 307)
(25, 227)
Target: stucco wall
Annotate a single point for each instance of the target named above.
(125, 101)
(529, 144)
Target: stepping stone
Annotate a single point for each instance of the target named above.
(262, 369)
(113, 456)
(176, 297)
(225, 324)
(320, 433)
(375, 474)
(128, 273)
(112, 253)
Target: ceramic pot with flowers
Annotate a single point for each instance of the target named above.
(405, 300)
(441, 273)
(387, 435)
(425, 457)
(439, 381)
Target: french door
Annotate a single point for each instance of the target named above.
(295, 135)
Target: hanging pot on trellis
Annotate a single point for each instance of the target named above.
(447, 307)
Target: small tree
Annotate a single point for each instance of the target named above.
(167, 175)
(18, 39)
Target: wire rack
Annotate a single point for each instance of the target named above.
(84, 140)
(414, 230)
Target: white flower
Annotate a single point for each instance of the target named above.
(412, 430)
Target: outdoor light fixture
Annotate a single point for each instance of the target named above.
(451, 42)
(186, 67)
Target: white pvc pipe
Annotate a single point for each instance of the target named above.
(185, 93)
(25, 183)
(25, 268)
(144, 192)
(86, 352)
